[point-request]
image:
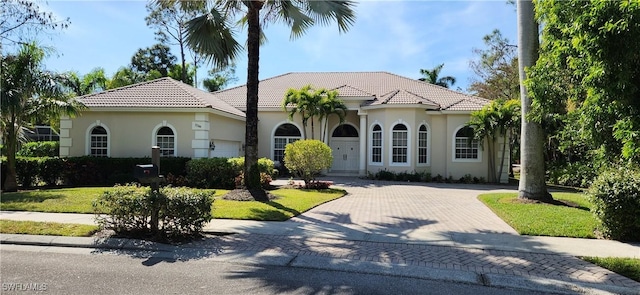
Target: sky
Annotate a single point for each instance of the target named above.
(400, 37)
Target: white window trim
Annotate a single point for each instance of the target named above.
(453, 149)
(154, 135)
(409, 150)
(273, 136)
(369, 158)
(428, 163)
(88, 137)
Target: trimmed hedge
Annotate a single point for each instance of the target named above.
(211, 173)
(616, 203)
(88, 171)
(182, 212)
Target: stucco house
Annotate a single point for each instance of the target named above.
(393, 123)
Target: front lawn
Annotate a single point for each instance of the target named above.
(540, 219)
(64, 200)
(291, 202)
(47, 228)
(628, 267)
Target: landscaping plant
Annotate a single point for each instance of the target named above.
(307, 158)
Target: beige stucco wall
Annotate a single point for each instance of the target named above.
(131, 133)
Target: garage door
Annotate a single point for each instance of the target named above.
(225, 149)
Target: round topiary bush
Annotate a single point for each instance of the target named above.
(306, 158)
(615, 194)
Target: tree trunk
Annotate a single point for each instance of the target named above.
(532, 175)
(184, 63)
(504, 151)
(491, 160)
(251, 172)
(10, 182)
(313, 136)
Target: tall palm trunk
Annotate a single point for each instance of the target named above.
(532, 176)
(252, 174)
(505, 138)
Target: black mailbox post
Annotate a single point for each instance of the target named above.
(146, 173)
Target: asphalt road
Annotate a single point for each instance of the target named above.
(50, 270)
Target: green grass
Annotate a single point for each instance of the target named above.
(539, 219)
(291, 202)
(628, 267)
(68, 200)
(46, 228)
(65, 200)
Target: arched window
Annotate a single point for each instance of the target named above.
(166, 140)
(399, 143)
(465, 146)
(285, 134)
(99, 141)
(423, 142)
(376, 144)
(345, 130)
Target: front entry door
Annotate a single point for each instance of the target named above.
(345, 155)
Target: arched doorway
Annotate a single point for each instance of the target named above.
(345, 147)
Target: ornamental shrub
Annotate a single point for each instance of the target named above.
(211, 173)
(182, 212)
(615, 195)
(265, 165)
(306, 158)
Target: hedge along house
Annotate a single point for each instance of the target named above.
(393, 123)
(126, 122)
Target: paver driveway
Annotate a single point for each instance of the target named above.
(408, 209)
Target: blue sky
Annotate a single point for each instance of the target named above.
(395, 36)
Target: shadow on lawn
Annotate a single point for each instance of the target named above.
(29, 197)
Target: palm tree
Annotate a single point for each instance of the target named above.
(310, 103)
(91, 82)
(213, 36)
(28, 94)
(331, 105)
(433, 77)
(532, 174)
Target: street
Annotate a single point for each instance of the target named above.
(57, 270)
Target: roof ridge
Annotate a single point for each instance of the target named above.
(386, 100)
(356, 88)
(189, 89)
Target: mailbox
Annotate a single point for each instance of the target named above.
(146, 173)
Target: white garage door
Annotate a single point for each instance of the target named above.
(226, 149)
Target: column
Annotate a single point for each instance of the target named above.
(200, 141)
(65, 138)
(363, 143)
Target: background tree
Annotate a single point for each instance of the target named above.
(170, 23)
(496, 68)
(532, 171)
(219, 78)
(588, 76)
(28, 93)
(307, 158)
(212, 35)
(21, 20)
(123, 77)
(155, 58)
(433, 77)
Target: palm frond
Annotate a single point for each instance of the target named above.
(212, 36)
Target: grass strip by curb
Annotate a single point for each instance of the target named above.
(47, 228)
(628, 267)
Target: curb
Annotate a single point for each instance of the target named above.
(165, 251)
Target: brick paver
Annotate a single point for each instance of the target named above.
(392, 207)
